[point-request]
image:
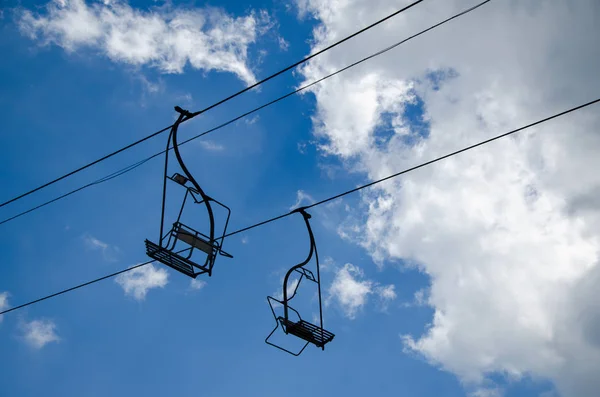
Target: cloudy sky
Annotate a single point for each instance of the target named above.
(476, 276)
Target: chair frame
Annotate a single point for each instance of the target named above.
(207, 243)
(301, 328)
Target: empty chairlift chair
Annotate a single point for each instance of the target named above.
(293, 324)
(180, 246)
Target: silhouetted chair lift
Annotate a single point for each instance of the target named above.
(300, 328)
(167, 250)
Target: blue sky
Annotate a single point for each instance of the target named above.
(65, 102)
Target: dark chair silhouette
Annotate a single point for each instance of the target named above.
(300, 328)
(192, 240)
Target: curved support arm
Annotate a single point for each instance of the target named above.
(306, 217)
(164, 195)
(184, 115)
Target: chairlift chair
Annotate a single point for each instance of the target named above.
(167, 250)
(310, 333)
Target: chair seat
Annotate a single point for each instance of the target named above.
(307, 331)
(173, 260)
(195, 241)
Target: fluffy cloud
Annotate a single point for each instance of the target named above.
(302, 198)
(508, 233)
(139, 281)
(386, 293)
(3, 303)
(196, 284)
(108, 252)
(164, 37)
(93, 243)
(283, 44)
(291, 287)
(38, 333)
(487, 393)
(211, 146)
(350, 290)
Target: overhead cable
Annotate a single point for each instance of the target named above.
(454, 153)
(214, 105)
(233, 120)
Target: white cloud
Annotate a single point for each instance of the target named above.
(196, 284)
(3, 303)
(38, 333)
(211, 146)
(420, 297)
(301, 199)
(509, 234)
(186, 98)
(109, 252)
(487, 393)
(139, 281)
(386, 293)
(149, 86)
(283, 44)
(302, 147)
(252, 120)
(93, 243)
(291, 287)
(327, 264)
(351, 291)
(166, 38)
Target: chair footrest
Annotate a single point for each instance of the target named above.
(173, 260)
(307, 331)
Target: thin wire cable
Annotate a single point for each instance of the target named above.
(305, 87)
(455, 153)
(337, 196)
(74, 288)
(84, 167)
(334, 197)
(97, 182)
(313, 55)
(214, 105)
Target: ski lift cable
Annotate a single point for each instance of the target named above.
(97, 182)
(75, 287)
(214, 105)
(497, 137)
(437, 159)
(248, 113)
